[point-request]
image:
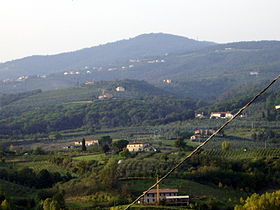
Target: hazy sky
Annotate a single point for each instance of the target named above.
(29, 27)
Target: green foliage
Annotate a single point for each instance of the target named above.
(125, 153)
(5, 205)
(119, 145)
(110, 113)
(225, 146)
(265, 201)
(10, 98)
(108, 174)
(180, 143)
(84, 148)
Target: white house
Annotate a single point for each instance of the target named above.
(88, 142)
(216, 115)
(138, 147)
(105, 96)
(277, 106)
(197, 137)
(168, 195)
(120, 89)
(168, 81)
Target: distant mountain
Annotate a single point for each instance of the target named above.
(203, 72)
(155, 44)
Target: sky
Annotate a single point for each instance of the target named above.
(44, 27)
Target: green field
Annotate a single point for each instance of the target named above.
(187, 187)
(98, 157)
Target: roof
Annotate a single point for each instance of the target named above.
(164, 191)
(91, 139)
(220, 113)
(177, 197)
(137, 143)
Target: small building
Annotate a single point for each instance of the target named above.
(88, 142)
(89, 83)
(254, 73)
(139, 147)
(223, 115)
(197, 137)
(105, 96)
(206, 132)
(200, 115)
(151, 196)
(168, 81)
(120, 89)
(277, 106)
(168, 196)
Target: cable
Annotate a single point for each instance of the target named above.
(196, 150)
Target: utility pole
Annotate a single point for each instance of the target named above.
(158, 198)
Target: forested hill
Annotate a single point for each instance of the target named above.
(205, 73)
(139, 104)
(156, 44)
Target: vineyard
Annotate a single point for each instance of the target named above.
(246, 153)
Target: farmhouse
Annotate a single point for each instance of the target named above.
(204, 132)
(120, 89)
(88, 142)
(168, 195)
(197, 137)
(277, 106)
(200, 115)
(105, 96)
(139, 147)
(168, 81)
(216, 115)
(89, 83)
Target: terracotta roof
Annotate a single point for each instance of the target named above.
(137, 143)
(164, 191)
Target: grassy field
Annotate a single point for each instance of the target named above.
(187, 187)
(98, 157)
(39, 165)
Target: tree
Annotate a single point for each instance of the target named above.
(44, 179)
(125, 153)
(119, 145)
(179, 143)
(103, 140)
(5, 205)
(108, 174)
(84, 148)
(50, 204)
(225, 146)
(105, 148)
(265, 201)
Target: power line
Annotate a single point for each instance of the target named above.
(196, 150)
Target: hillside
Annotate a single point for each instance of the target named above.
(141, 46)
(204, 74)
(140, 103)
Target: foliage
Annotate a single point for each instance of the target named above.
(108, 174)
(265, 201)
(84, 148)
(179, 143)
(119, 145)
(225, 146)
(111, 113)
